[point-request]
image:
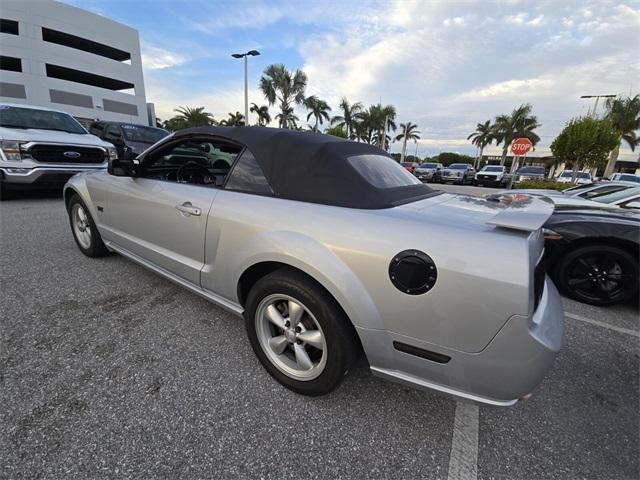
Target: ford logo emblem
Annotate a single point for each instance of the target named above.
(71, 154)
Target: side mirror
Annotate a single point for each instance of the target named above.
(122, 168)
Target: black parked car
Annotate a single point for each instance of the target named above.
(593, 254)
(129, 139)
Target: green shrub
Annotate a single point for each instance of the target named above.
(545, 184)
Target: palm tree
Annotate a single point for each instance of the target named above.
(520, 123)
(349, 117)
(409, 132)
(263, 114)
(193, 117)
(319, 109)
(288, 119)
(371, 124)
(383, 116)
(235, 120)
(280, 85)
(359, 131)
(624, 114)
(482, 136)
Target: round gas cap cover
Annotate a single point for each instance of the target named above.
(413, 272)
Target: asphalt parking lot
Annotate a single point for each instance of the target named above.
(109, 371)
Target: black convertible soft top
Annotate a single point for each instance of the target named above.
(314, 167)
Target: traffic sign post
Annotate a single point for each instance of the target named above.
(520, 147)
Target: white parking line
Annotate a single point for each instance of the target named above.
(628, 331)
(463, 462)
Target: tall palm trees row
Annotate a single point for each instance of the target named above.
(623, 113)
(196, 117)
(520, 123)
(286, 90)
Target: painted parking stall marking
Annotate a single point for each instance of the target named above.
(598, 323)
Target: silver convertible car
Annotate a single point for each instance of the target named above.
(328, 248)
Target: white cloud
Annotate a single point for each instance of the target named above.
(156, 58)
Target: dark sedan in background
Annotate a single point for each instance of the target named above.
(593, 254)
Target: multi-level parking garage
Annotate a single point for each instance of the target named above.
(62, 57)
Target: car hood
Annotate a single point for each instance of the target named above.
(51, 136)
(516, 212)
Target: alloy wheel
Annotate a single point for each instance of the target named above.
(81, 226)
(600, 276)
(291, 337)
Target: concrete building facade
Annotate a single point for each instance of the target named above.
(58, 56)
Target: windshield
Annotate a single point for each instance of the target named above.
(138, 133)
(382, 172)
(458, 166)
(577, 188)
(628, 178)
(532, 170)
(490, 168)
(428, 165)
(20, 117)
(614, 197)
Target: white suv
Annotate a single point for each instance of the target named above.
(43, 148)
(581, 177)
(493, 175)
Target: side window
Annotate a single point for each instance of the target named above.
(112, 133)
(247, 176)
(193, 161)
(97, 129)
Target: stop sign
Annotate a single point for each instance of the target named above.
(521, 146)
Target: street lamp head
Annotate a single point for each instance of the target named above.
(253, 53)
(237, 55)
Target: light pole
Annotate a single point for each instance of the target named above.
(252, 53)
(592, 114)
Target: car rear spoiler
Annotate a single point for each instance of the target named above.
(521, 212)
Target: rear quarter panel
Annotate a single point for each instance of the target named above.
(483, 271)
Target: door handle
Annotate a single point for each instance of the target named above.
(189, 209)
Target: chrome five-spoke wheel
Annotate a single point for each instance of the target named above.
(291, 337)
(81, 226)
(84, 229)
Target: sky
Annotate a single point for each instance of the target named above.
(445, 66)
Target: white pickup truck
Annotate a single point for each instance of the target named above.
(43, 148)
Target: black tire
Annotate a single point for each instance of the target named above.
(341, 342)
(96, 247)
(614, 281)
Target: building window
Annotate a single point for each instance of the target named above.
(70, 98)
(78, 76)
(11, 64)
(13, 90)
(9, 26)
(119, 107)
(79, 43)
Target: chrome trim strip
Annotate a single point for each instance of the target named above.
(71, 168)
(222, 302)
(410, 380)
(28, 145)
